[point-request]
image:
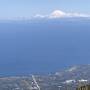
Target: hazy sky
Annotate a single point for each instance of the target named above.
(28, 8)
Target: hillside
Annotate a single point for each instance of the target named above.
(67, 79)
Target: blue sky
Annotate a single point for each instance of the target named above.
(28, 8)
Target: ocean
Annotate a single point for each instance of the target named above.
(43, 46)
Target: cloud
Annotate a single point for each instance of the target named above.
(77, 15)
(61, 14)
(57, 14)
(40, 16)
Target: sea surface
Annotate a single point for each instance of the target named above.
(43, 46)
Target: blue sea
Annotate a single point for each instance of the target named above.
(43, 46)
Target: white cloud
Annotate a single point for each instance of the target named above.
(57, 14)
(77, 15)
(61, 14)
(40, 16)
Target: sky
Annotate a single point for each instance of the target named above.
(10, 9)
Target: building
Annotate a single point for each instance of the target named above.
(85, 87)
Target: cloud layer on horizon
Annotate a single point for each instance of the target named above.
(61, 14)
(53, 15)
